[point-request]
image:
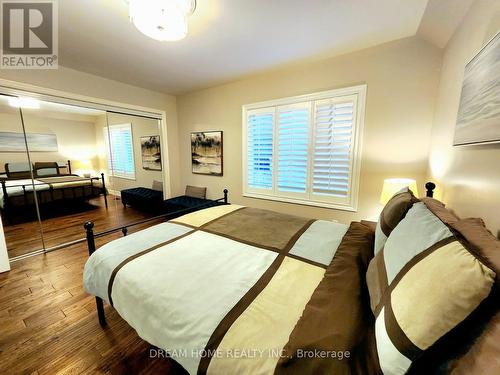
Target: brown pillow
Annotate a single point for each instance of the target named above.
(474, 346)
(483, 243)
(45, 169)
(196, 191)
(438, 208)
(157, 185)
(425, 282)
(393, 212)
(18, 170)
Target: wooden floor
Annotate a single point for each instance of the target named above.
(25, 237)
(48, 324)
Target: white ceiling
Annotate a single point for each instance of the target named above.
(441, 18)
(227, 38)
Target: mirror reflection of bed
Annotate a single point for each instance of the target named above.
(62, 165)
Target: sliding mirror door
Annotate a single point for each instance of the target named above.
(64, 150)
(62, 165)
(134, 161)
(18, 203)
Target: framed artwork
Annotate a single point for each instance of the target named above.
(206, 153)
(478, 119)
(14, 142)
(151, 153)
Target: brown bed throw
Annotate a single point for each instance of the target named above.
(337, 320)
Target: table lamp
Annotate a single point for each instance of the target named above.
(85, 167)
(393, 185)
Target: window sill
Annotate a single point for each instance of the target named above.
(302, 202)
(123, 177)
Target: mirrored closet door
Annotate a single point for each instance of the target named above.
(66, 164)
(66, 169)
(133, 146)
(18, 201)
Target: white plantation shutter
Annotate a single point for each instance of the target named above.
(293, 144)
(260, 128)
(332, 156)
(305, 149)
(121, 152)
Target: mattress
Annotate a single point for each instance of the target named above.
(15, 187)
(18, 187)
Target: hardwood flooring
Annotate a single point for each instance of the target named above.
(48, 323)
(26, 237)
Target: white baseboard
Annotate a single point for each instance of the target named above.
(4, 255)
(116, 193)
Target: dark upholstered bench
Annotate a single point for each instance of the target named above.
(187, 204)
(192, 200)
(143, 199)
(151, 200)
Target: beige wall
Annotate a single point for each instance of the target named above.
(468, 177)
(75, 137)
(80, 83)
(402, 79)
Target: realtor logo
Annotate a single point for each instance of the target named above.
(29, 34)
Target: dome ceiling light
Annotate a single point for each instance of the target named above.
(163, 20)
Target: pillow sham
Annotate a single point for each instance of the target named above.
(473, 346)
(393, 212)
(196, 192)
(438, 208)
(422, 284)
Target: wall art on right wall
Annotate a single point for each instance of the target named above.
(478, 119)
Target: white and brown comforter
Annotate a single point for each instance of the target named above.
(232, 289)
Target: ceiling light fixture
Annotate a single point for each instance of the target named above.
(24, 102)
(163, 20)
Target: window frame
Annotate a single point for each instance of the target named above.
(107, 137)
(348, 204)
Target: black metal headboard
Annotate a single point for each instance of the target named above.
(429, 187)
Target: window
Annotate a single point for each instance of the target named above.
(305, 149)
(121, 152)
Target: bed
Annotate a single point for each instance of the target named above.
(233, 289)
(18, 190)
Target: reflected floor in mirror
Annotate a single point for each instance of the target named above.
(24, 237)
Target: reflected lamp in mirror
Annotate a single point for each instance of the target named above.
(84, 168)
(393, 185)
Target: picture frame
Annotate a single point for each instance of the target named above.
(207, 149)
(151, 153)
(478, 118)
(15, 142)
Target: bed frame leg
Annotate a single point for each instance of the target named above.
(100, 311)
(89, 228)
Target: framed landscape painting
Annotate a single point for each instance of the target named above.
(14, 142)
(206, 153)
(478, 119)
(151, 153)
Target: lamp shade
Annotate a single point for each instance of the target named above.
(84, 164)
(393, 185)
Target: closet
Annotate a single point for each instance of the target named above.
(64, 162)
